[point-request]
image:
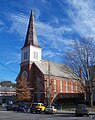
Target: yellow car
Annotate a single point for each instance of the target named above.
(37, 108)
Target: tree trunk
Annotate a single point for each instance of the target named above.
(91, 99)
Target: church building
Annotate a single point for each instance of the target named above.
(50, 82)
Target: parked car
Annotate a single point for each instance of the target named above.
(37, 108)
(21, 108)
(15, 107)
(50, 110)
(9, 107)
(81, 109)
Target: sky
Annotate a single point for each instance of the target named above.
(58, 23)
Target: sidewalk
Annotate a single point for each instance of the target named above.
(72, 112)
(2, 108)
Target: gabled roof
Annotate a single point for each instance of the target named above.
(58, 70)
(31, 37)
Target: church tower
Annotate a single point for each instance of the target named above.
(31, 51)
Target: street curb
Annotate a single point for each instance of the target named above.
(72, 112)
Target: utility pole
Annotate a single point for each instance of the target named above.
(49, 101)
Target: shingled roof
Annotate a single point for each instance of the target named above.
(59, 70)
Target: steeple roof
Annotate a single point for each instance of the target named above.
(31, 37)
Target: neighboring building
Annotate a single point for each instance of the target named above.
(49, 80)
(7, 94)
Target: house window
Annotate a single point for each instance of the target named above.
(60, 85)
(66, 86)
(76, 87)
(54, 85)
(25, 55)
(35, 55)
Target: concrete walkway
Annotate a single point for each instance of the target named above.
(72, 112)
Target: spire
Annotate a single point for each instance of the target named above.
(31, 38)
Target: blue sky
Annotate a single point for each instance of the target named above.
(58, 23)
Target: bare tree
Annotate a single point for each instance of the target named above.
(81, 58)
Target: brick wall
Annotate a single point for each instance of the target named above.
(38, 81)
(80, 89)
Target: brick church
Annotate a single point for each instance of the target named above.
(50, 81)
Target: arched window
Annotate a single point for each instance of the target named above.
(76, 87)
(35, 55)
(72, 87)
(54, 85)
(24, 75)
(25, 55)
(66, 86)
(61, 86)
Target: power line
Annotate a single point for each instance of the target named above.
(9, 68)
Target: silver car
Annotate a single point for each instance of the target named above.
(50, 110)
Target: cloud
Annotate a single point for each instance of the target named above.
(48, 53)
(36, 13)
(82, 14)
(43, 1)
(50, 36)
(1, 23)
(53, 35)
(12, 61)
(2, 26)
(19, 23)
(13, 57)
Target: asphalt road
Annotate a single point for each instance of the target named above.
(10, 115)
